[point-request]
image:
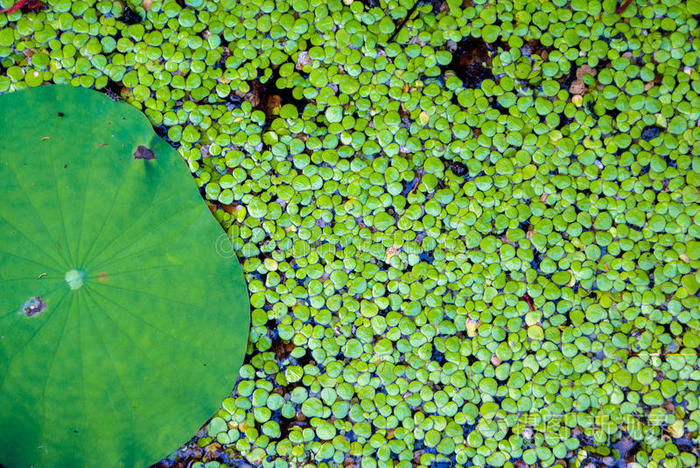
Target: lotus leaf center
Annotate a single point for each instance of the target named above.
(75, 278)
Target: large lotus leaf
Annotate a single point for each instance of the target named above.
(121, 327)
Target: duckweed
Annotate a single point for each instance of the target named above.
(471, 230)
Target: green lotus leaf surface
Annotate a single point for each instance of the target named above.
(124, 314)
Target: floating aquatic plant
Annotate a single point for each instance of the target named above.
(122, 327)
(469, 228)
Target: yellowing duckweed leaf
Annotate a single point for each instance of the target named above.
(121, 328)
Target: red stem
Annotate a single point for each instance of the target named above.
(623, 6)
(529, 301)
(14, 7)
(31, 5)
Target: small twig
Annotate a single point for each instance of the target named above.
(33, 5)
(529, 301)
(406, 18)
(14, 7)
(623, 6)
(414, 184)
